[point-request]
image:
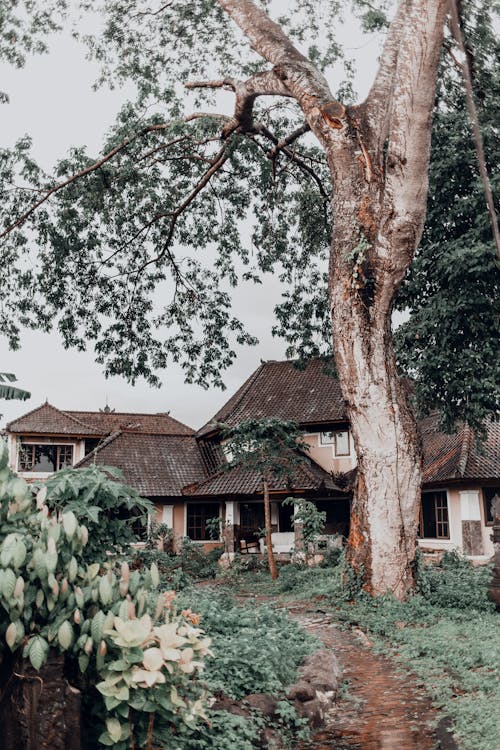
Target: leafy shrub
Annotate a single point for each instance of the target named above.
(258, 649)
(312, 520)
(141, 656)
(178, 570)
(290, 577)
(224, 731)
(99, 499)
(455, 583)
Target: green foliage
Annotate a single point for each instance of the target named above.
(312, 520)
(138, 652)
(109, 508)
(225, 731)
(257, 649)
(10, 392)
(179, 569)
(24, 24)
(273, 447)
(455, 583)
(449, 345)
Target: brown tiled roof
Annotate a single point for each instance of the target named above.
(155, 465)
(280, 389)
(456, 456)
(49, 420)
(307, 476)
(157, 424)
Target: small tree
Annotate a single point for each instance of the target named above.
(311, 519)
(273, 448)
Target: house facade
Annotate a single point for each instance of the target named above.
(183, 472)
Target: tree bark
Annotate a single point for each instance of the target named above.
(378, 155)
(38, 709)
(273, 569)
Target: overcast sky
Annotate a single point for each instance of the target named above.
(52, 100)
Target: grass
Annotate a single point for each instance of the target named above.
(448, 636)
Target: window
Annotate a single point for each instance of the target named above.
(342, 444)
(251, 518)
(197, 516)
(44, 458)
(434, 523)
(489, 496)
(91, 444)
(339, 439)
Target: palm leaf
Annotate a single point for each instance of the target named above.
(8, 392)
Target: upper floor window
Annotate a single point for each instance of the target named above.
(44, 458)
(340, 439)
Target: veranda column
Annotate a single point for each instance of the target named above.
(298, 531)
(232, 519)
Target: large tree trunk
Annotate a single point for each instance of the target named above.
(380, 176)
(378, 155)
(273, 569)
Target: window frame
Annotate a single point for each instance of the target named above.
(31, 447)
(203, 529)
(488, 519)
(441, 520)
(341, 432)
(324, 441)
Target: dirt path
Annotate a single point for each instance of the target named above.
(383, 709)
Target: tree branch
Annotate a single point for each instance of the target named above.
(265, 36)
(284, 142)
(219, 160)
(300, 76)
(478, 139)
(83, 173)
(292, 156)
(98, 164)
(378, 101)
(411, 105)
(265, 83)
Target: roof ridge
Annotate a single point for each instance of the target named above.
(59, 411)
(244, 389)
(464, 450)
(103, 444)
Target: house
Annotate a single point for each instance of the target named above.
(157, 454)
(182, 471)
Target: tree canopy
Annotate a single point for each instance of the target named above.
(141, 253)
(449, 344)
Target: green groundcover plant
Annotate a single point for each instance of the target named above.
(447, 634)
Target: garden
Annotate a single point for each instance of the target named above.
(171, 650)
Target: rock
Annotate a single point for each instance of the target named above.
(322, 671)
(301, 691)
(313, 711)
(262, 702)
(225, 703)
